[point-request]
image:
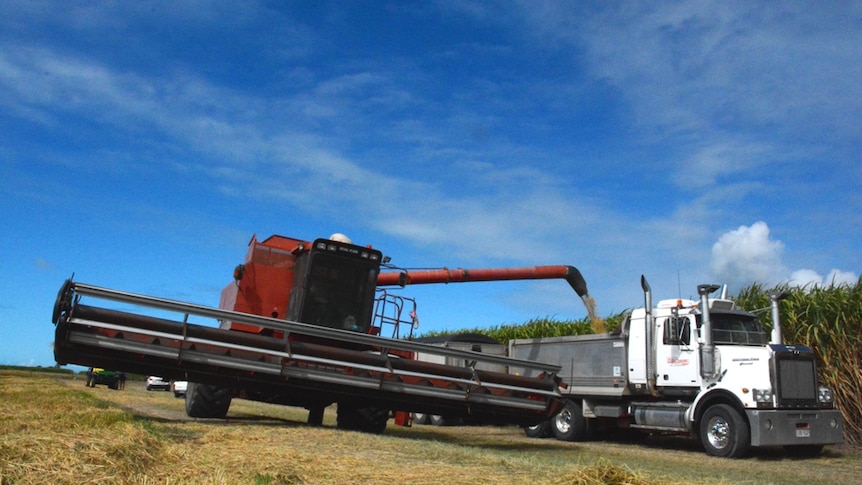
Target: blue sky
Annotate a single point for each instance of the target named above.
(143, 143)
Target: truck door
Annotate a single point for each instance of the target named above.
(676, 357)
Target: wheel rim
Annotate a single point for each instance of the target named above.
(718, 432)
(563, 421)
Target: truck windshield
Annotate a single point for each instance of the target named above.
(737, 329)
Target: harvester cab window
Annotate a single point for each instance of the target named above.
(339, 292)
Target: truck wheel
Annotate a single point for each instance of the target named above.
(541, 430)
(724, 432)
(570, 424)
(203, 401)
(367, 419)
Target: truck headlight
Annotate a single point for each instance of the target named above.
(762, 395)
(824, 395)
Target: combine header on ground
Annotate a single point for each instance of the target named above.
(302, 325)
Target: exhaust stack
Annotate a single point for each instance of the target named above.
(650, 338)
(776, 297)
(708, 361)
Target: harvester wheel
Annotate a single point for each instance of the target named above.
(315, 415)
(367, 419)
(438, 420)
(204, 401)
(541, 430)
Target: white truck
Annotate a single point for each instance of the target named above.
(706, 369)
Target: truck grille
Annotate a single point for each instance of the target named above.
(797, 383)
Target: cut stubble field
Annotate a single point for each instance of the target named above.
(55, 430)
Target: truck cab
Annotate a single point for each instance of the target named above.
(736, 388)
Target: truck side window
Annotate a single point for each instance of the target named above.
(677, 331)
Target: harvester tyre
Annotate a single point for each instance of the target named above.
(204, 401)
(367, 420)
(541, 430)
(438, 420)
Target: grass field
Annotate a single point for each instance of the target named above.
(55, 430)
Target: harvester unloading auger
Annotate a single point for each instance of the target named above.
(301, 325)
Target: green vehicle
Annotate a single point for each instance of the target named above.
(96, 376)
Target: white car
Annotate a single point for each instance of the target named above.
(179, 388)
(156, 382)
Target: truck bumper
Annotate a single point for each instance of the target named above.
(797, 427)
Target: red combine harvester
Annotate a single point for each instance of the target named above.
(303, 324)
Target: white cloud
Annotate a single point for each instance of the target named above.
(838, 277)
(805, 277)
(747, 255)
(809, 278)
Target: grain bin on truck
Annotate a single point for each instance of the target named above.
(701, 368)
(302, 324)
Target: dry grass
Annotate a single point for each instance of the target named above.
(54, 430)
(68, 437)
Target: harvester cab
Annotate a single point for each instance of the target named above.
(328, 283)
(334, 286)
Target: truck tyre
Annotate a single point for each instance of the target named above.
(367, 419)
(724, 432)
(541, 430)
(204, 401)
(570, 424)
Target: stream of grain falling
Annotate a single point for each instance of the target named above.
(597, 322)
